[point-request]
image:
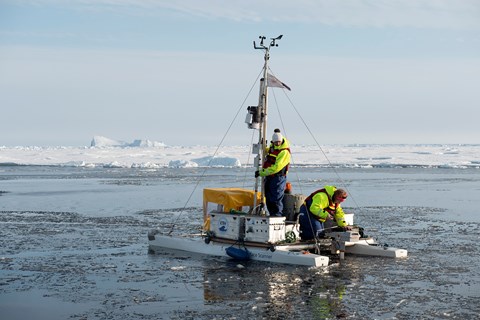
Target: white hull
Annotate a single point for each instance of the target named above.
(295, 254)
(369, 248)
(281, 254)
(351, 243)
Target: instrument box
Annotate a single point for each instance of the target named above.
(264, 229)
(227, 226)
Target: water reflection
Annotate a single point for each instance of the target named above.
(277, 292)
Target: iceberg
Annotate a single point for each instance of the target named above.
(102, 142)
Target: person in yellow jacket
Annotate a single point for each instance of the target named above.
(321, 205)
(274, 169)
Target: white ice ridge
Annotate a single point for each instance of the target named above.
(150, 154)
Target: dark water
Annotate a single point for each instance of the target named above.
(73, 245)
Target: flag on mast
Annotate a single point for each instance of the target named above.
(274, 82)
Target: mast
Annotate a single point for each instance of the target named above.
(257, 119)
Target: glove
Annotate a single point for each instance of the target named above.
(257, 174)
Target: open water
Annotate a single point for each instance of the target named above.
(73, 245)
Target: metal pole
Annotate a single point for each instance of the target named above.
(263, 105)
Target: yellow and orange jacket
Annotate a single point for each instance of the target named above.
(320, 204)
(277, 159)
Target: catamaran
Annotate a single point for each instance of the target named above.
(236, 223)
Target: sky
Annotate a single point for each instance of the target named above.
(184, 72)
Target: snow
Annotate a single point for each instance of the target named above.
(112, 153)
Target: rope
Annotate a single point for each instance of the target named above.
(342, 182)
(213, 156)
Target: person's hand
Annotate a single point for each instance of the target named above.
(257, 173)
(347, 228)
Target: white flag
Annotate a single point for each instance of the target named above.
(274, 82)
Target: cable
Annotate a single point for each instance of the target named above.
(248, 161)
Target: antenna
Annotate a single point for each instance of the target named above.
(272, 42)
(261, 43)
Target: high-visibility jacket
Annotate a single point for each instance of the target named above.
(277, 159)
(320, 205)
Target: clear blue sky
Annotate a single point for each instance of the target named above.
(382, 71)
